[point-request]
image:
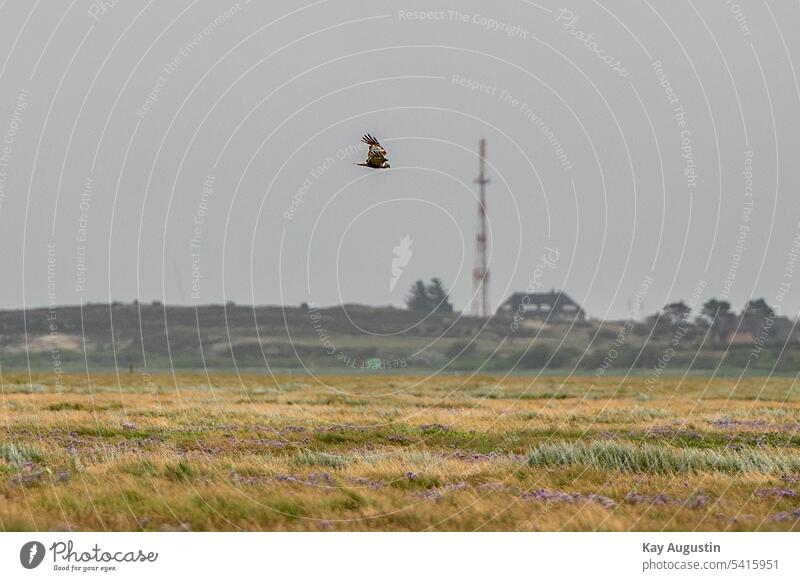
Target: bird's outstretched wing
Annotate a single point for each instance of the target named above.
(376, 156)
(370, 140)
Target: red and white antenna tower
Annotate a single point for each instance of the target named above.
(480, 273)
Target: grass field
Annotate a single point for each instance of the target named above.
(382, 452)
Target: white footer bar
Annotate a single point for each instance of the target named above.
(400, 556)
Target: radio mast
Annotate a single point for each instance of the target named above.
(480, 272)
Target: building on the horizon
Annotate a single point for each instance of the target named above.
(554, 306)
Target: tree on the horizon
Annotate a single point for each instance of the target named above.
(669, 320)
(755, 314)
(719, 318)
(433, 297)
(440, 299)
(417, 299)
(676, 313)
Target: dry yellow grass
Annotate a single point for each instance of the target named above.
(382, 452)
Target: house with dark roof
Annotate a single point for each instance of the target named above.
(554, 306)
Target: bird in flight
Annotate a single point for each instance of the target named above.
(376, 156)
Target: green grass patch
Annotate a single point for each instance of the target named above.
(67, 406)
(178, 472)
(139, 468)
(659, 459)
(320, 459)
(543, 395)
(19, 453)
(349, 501)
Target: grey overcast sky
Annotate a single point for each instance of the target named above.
(198, 151)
